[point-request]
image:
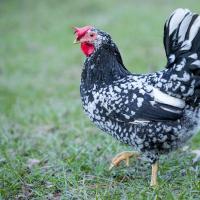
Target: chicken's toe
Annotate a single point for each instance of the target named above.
(125, 155)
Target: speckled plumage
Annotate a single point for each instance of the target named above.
(155, 113)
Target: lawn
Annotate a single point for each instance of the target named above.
(48, 148)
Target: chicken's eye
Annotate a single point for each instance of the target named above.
(91, 34)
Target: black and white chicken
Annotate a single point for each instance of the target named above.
(154, 113)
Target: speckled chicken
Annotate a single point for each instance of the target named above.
(154, 113)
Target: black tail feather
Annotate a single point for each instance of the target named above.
(182, 42)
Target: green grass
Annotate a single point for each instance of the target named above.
(40, 110)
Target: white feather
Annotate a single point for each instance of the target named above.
(194, 56)
(139, 121)
(197, 63)
(176, 18)
(164, 98)
(170, 110)
(183, 27)
(186, 45)
(194, 29)
(172, 58)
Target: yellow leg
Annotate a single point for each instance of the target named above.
(154, 174)
(126, 155)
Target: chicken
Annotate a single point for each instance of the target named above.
(154, 113)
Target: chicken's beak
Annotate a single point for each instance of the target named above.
(75, 31)
(76, 41)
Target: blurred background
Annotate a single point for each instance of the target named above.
(45, 138)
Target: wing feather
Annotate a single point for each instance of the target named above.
(150, 105)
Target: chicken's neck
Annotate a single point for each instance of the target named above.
(103, 67)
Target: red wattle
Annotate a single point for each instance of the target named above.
(87, 48)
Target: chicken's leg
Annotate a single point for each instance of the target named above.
(125, 155)
(154, 173)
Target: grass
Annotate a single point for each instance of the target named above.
(48, 147)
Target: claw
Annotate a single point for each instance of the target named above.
(111, 166)
(122, 156)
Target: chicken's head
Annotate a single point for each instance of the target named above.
(90, 39)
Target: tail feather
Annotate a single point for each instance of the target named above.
(182, 32)
(171, 30)
(194, 28)
(182, 43)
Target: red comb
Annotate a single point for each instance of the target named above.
(80, 32)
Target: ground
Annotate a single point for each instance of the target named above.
(48, 147)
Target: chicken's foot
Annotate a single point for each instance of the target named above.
(125, 155)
